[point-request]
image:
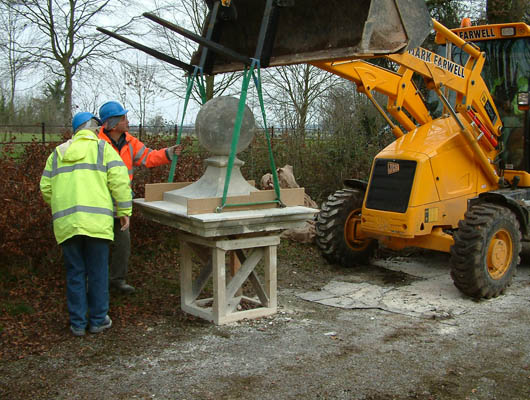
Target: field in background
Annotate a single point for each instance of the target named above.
(28, 137)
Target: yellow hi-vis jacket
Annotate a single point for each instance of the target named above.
(81, 178)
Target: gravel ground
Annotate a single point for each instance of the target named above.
(307, 350)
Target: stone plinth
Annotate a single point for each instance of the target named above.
(227, 222)
(212, 183)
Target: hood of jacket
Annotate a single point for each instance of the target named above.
(76, 148)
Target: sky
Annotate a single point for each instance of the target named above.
(89, 93)
(166, 104)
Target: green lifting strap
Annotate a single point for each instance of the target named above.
(235, 137)
(202, 90)
(196, 75)
(257, 82)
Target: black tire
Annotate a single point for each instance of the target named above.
(331, 221)
(486, 251)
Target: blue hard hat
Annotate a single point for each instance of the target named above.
(111, 109)
(82, 117)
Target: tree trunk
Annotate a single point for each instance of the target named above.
(500, 11)
(11, 110)
(209, 86)
(11, 105)
(67, 111)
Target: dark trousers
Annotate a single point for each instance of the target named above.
(87, 289)
(121, 250)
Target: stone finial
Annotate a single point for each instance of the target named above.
(215, 125)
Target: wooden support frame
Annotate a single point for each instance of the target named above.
(222, 308)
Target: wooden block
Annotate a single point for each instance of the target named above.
(155, 191)
(248, 243)
(290, 197)
(245, 314)
(209, 205)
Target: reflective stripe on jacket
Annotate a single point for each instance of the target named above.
(80, 179)
(135, 153)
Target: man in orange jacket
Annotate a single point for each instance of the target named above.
(133, 153)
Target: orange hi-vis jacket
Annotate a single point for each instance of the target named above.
(135, 153)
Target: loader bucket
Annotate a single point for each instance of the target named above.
(282, 32)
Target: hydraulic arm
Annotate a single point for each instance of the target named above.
(401, 92)
(473, 100)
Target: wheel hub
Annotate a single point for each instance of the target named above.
(352, 222)
(499, 254)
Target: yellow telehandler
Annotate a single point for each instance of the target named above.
(457, 183)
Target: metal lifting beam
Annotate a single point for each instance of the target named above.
(161, 56)
(215, 47)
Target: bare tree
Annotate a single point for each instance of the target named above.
(356, 131)
(16, 34)
(67, 37)
(140, 80)
(136, 84)
(293, 92)
(88, 96)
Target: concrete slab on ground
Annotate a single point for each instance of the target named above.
(431, 294)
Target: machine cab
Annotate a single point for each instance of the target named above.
(506, 72)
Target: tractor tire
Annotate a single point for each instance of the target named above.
(486, 251)
(330, 226)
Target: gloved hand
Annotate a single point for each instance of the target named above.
(177, 149)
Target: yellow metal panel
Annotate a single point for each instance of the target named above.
(523, 176)
(377, 223)
(443, 142)
(437, 240)
(455, 173)
(424, 190)
(438, 136)
(488, 32)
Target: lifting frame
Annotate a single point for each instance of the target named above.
(222, 308)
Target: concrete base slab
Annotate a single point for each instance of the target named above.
(432, 296)
(227, 222)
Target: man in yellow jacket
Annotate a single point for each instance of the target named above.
(81, 179)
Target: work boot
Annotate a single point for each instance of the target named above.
(122, 286)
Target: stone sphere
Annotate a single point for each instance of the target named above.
(215, 125)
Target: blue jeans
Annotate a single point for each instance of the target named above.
(87, 280)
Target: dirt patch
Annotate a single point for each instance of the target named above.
(307, 350)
